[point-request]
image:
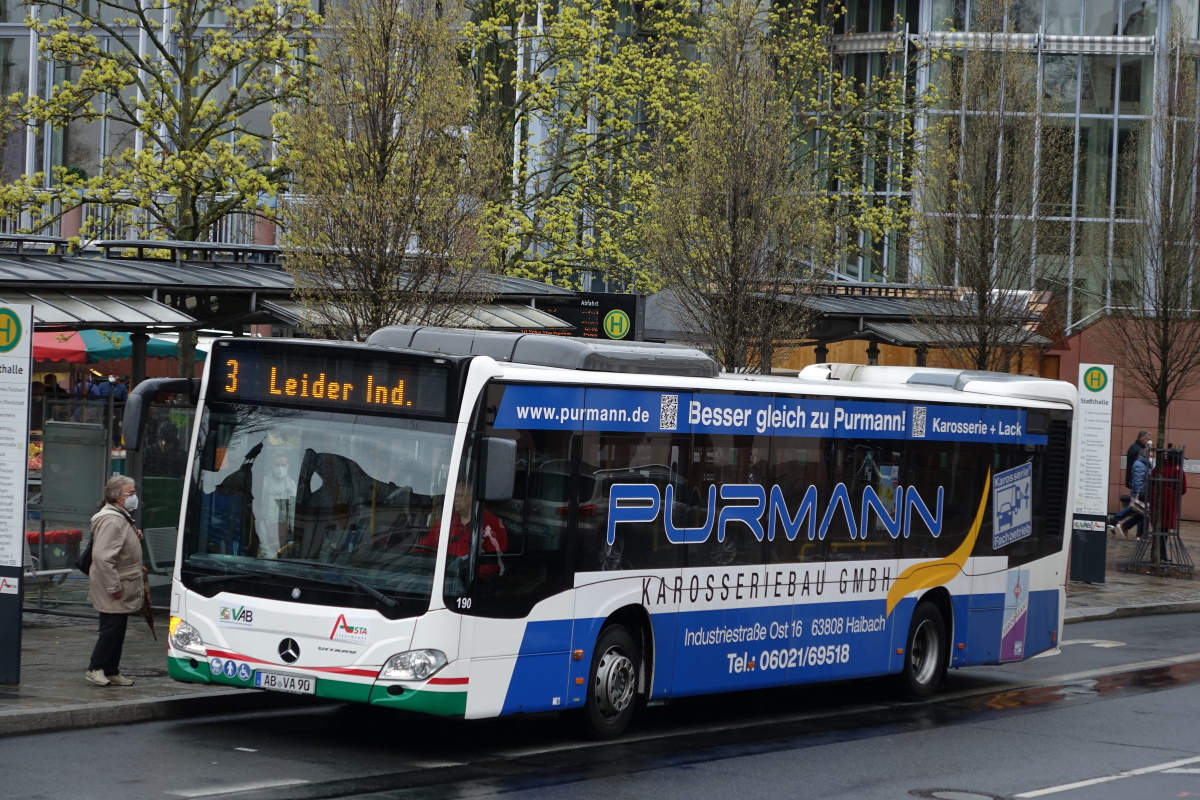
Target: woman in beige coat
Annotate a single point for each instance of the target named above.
(115, 579)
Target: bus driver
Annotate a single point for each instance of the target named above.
(494, 538)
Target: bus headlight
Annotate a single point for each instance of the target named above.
(415, 665)
(184, 637)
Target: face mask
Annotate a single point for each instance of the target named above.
(281, 472)
(131, 503)
(112, 379)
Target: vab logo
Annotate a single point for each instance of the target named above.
(237, 616)
(343, 631)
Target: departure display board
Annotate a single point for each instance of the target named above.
(330, 378)
(600, 315)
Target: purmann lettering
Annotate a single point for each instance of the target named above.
(849, 421)
(747, 503)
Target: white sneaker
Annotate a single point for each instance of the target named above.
(118, 680)
(96, 676)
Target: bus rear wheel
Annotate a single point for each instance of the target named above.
(925, 654)
(612, 684)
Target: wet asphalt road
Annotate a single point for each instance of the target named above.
(1122, 696)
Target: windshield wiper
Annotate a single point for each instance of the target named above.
(241, 572)
(341, 570)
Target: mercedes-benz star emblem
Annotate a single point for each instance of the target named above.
(289, 651)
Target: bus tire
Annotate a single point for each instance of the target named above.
(612, 684)
(925, 654)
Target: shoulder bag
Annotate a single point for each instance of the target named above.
(84, 562)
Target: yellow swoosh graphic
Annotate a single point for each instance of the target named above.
(943, 570)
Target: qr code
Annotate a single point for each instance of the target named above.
(918, 422)
(668, 415)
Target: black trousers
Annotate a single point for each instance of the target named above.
(107, 653)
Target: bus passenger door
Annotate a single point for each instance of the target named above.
(518, 620)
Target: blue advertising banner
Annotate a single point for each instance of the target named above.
(528, 407)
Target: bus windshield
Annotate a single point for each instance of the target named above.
(316, 507)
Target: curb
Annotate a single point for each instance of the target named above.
(1091, 613)
(94, 715)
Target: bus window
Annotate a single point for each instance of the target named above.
(632, 459)
(723, 460)
(796, 466)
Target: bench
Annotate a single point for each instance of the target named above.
(35, 578)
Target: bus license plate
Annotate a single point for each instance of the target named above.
(282, 682)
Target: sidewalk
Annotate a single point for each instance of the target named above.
(1129, 594)
(54, 696)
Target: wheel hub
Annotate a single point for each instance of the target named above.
(924, 652)
(614, 683)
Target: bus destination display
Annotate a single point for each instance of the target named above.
(338, 381)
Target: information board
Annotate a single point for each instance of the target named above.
(601, 315)
(333, 380)
(16, 344)
(16, 337)
(1095, 439)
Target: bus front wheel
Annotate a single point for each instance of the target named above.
(925, 654)
(612, 684)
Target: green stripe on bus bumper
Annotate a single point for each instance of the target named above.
(181, 669)
(442, 704)
(439, 703)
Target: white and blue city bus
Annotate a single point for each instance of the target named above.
(667, 531)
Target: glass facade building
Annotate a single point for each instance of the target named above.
(1098, 62)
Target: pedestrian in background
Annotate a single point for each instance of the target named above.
(1139, 487)
(86, 389)
(116, 388)
(54, 398)
(1131, 455)
(51, 387)
(1138, 481)
(37, 405)
(115, 578)
(118, 391)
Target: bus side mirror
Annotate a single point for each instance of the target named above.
(137, 405)
(499, 462)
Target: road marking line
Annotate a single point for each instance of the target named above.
(244, 787)
(1185, 771)
(1108, 778)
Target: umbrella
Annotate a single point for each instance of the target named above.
(147, 612)
(90, 347)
